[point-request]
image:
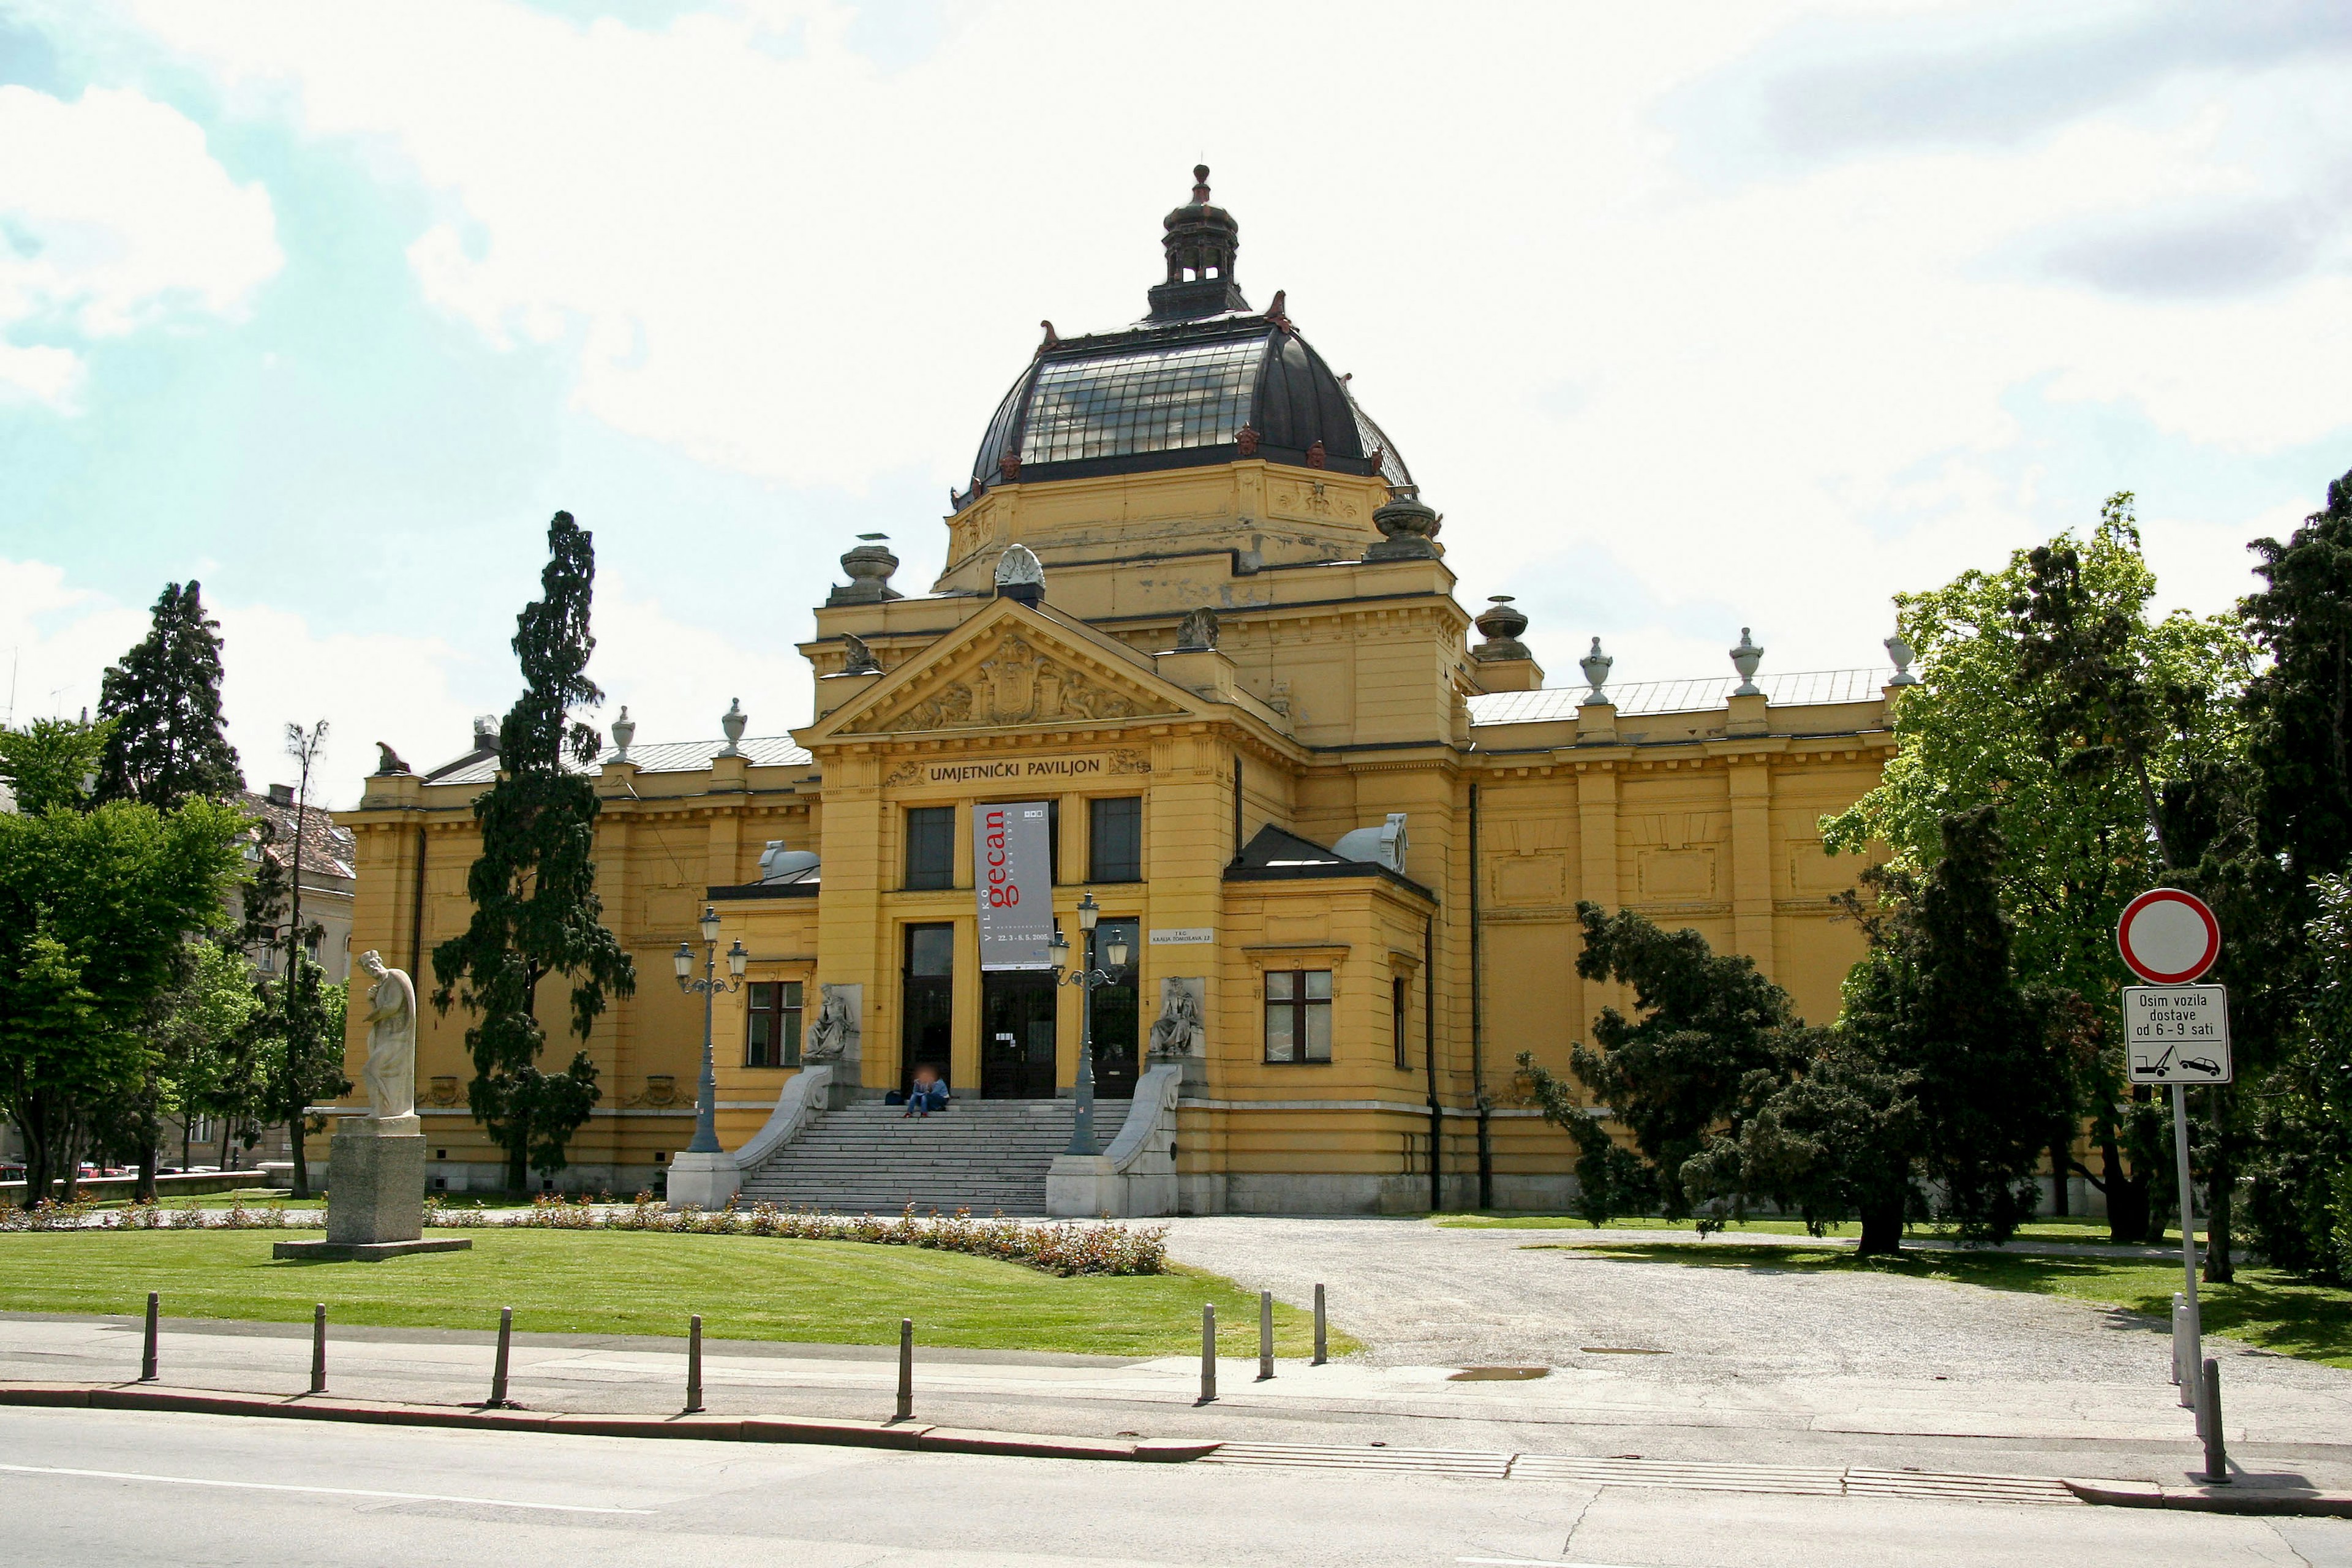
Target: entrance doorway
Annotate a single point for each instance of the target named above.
(1016, 1034)
(1118, 1014)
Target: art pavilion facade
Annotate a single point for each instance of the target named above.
(1195, 605)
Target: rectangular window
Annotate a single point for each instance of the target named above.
(931, 846)
(1299, 1016)
(772, 1035)
(1115, 839)
(1399, 1005)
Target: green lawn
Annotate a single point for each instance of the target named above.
(2263, 1307)
(2047, 1228)
(622, 1282)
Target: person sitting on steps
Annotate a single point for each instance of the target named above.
(928, 1094)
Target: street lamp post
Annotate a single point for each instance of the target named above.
(706, 1118)
(1087, 978)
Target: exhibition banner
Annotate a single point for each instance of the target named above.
(1013, 875)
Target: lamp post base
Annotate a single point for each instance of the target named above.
(1085, 1187)
(705, 1180)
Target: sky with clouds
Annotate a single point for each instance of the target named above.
(1689, 316)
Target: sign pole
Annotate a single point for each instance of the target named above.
(2188, 1247)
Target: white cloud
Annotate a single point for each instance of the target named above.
(113, 213)
(418, 695)
(1797, 376)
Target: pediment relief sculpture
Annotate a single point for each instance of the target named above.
(1015, 684)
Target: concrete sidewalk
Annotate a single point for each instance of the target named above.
(2127, 1432)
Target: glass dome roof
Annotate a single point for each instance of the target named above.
(1202, 380)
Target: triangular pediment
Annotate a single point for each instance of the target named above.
(1008, 668)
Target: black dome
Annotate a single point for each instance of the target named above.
(1201, 380)
(1184, 395)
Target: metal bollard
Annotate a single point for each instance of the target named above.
(1322, 1339)
(906, 1369)
(694, 1364)
(319, 1348)
(1208, 1351)
(1265, 1335)
(2217, 1457)
(147, 1354)
(498, 1371)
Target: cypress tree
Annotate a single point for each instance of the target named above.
(167, 742)
(534, 888)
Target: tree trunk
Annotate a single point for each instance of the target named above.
(1882, 1229)
(294, 1153)
(519, 1159)
(2127, 1193)
(144, 1190)
(69, 1157)
(2221, 1180)
(2062, 1170)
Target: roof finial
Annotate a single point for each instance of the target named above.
(1201, 182)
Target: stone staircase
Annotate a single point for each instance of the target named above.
(986, 1155)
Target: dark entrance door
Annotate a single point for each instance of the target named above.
(1016, 1034)
(1118, 1014)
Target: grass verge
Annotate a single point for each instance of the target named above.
(2263, 1307)
(746, 1288)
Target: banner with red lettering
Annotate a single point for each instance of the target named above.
(1012, 871)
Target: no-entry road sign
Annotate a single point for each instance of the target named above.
(2169, 937)
(2177, 1033)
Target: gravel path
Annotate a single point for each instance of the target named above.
(1420, 1294)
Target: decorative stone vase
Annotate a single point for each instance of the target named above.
(1407, 526)
(1596, 665)
(1902, 653)
(1745, 659)
(1501, 626)
(624, 729)
(732, 722)
(870, 566)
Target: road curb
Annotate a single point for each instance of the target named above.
(2269, 1500)
(902, 1435)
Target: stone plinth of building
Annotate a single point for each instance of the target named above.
(705, 1180)
(375, 1194)
(1084, 1186)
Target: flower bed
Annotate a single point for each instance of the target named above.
(1064, 1249)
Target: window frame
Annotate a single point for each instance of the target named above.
(786, 1022)
(1401, 1019)
(928, 878)
(1303, 1007)
(1096, 870)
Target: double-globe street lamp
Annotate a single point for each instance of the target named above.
(706, 1115)
(1087, 979)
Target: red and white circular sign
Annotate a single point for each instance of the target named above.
(2169, 937)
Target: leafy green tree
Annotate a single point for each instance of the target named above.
(2300, 1202)
(1935, 1091)
(2048, 688)
(202, 1031)
(48, 761)
(2281, 843)
(1708, 1033)
(534, 887)
(104, 900)
(166, 741)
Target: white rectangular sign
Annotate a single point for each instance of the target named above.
(1012, 879)
(2177, 1033)
(1176, 936)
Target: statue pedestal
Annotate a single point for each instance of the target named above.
(375, 1194)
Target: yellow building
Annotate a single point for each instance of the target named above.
(1194, 601)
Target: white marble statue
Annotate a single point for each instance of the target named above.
(392, 1040)
(1178, 1030)
(834, 1036)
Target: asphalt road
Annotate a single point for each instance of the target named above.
(92, 1488)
